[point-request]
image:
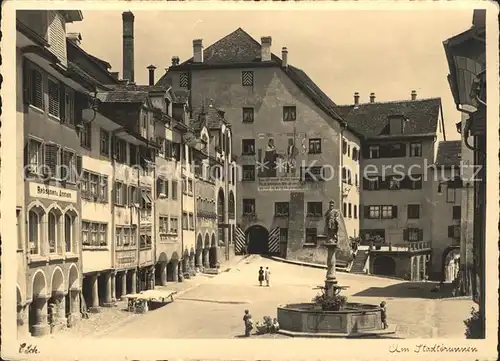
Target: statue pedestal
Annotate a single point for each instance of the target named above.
(331, 279)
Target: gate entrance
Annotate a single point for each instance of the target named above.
(257, 240)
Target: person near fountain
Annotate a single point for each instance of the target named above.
(261, 275)
(383, 314)
(267, 274)
(332, 223)
(275, 327)
(247, 320)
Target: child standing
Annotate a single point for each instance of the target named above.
(247, 319)
(383, 314)
(267, 274)
(261, 275)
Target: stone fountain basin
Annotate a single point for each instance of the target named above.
(309, 320)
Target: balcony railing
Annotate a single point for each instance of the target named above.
(403, 247)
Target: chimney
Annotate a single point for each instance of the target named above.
(128, 46)
(372, 97)
(151, 70)
(284, 57)
(413, 95)
(75, 38)
(265, 54)
(198, 51)
(175, 60)
(356, 98)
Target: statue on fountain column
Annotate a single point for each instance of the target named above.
(332, 223)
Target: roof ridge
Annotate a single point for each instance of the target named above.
(391, 102)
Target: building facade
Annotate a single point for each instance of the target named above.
(466, 55)
(49, 200)
(288, 131)
(398, 196)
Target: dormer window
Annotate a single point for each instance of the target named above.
(396, 124)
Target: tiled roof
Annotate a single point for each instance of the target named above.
(371, 119)
(123, 96)
(240, 48)
(236, 48)
(449, 153)
(143, 88)
(210, 117)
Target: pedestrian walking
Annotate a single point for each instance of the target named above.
(261, 275)
(383, 315)
(267, 274)
(248, 322)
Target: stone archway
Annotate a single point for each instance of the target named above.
(161, 269)
(451, 264)
(185, 261)
(37, 318)
(199, 252)
(206, 251)
(384, 266)
(212, 258)
(173, 268)
(57, 301)
(257, 236)
(73, 296)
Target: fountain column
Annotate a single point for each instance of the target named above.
(331, 262)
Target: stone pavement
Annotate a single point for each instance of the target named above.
(214, 306)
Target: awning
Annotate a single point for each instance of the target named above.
(146, 195)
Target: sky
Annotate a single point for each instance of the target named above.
(389, 53)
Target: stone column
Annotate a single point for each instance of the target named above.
(152, 280)
(60, 320)
(199, 258)
(124, 285)
(134, 281)
(94, 307)
(176, 271)
(113, 286)
(215, 251)
(331, 262)
(41, 326)
(107, 294)
(163, 274)
(22, 320)
(205, 258)
(74, 296)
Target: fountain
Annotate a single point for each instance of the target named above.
(330, 315)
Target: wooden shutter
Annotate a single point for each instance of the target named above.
(457, 212)
(394, 211)
(124, 194)
(451, 231)
(420, 234)
(159, 181)
(81, 103)
(366, 211)
(383, 183)
(27, 90)
(405, 234)
(113, 192)
(79, 165)
(62, 103)
(66, 160)
(51, 150)
(366, 183)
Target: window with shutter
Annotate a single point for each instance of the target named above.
(413, 211)
(387, 212)
(78, 166)
(51, 157)
(36, 89)
(67, 171)
(54, 97)
(457, 212)
(394, 211)
(366, 211)
(69, 107)
(34, 156)
(405, 235)
(85, 135)
(451, 231)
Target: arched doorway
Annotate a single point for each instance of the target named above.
(173, 268)
(257, 240)
(451, 264)
(384, 265)
(37, 317)
(199, 252)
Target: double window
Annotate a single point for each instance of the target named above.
(248, 206)
(314, 209)
(311, 235)
(248, 146)
(413, 211)
(174, 225)
(94, 187)
(289, 113)
(163, 224)
(315, 146)
(248, 172)
(381, 212)
(94, 234)
(281, 209)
